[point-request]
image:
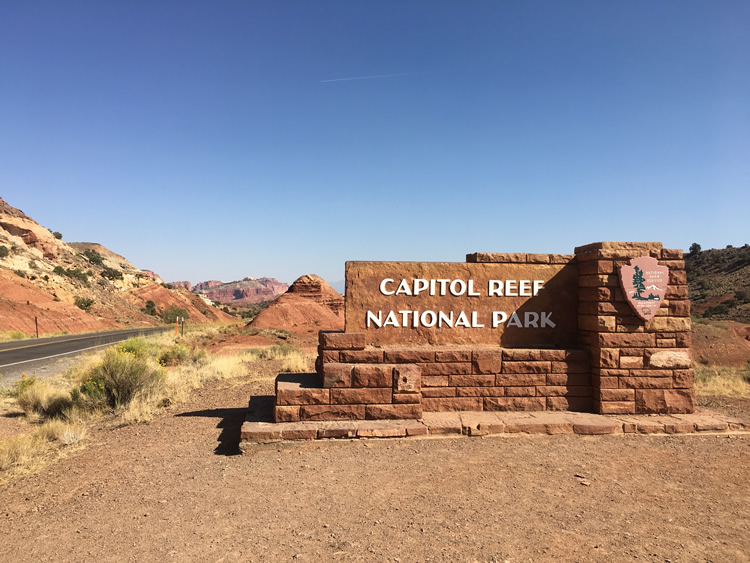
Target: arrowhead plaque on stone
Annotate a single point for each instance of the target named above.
(644, 283)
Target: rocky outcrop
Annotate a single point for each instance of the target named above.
(203, 286)
(309, 305)
(182, 284)
(246, 291)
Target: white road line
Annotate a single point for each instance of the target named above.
(63, 354)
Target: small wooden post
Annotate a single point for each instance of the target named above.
(36, 324)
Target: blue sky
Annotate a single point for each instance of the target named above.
(219, 140)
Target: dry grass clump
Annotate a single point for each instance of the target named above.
(45, 400)
(722, 381)
(292, 358)
(11, 335)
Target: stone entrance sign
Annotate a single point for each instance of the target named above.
(443, 303)
(505, 332)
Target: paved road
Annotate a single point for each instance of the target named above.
(25, 351)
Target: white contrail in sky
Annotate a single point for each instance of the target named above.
(364, 77)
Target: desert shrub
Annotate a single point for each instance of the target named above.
(172, 313)
(695, 248)
(721, 309)
(167, 285)
(120, 377)
(296, 362)
(12, 335)
(174, 356)
(57, 235)
(198, 355)
(139, 346)
(111, 273)
(741, 296)
(93, 256)
(4, 252)
(43, 399)
(20, 273)
(84, 303)
(74, 273)
(150, 308)
(33, 265)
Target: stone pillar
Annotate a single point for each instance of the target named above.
(637, 366)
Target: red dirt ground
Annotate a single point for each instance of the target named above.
(174, 489)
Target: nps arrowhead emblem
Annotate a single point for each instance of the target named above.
(644, 283)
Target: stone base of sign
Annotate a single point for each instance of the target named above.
(620, 364)
(494, 423)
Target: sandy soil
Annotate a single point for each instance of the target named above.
(176, 489)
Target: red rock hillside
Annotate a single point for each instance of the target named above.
(247, 291)
(309, 305)
(77, 287)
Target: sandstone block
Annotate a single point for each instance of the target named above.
(497, 257)
(666, 342)
(409, 356)
(677, 277)
(479, 391)
(362, 356)
(537, 258)
(471, 380)
(568, 379)
(670, 359)
(515, 403)
(299, 431)
(442, 422)
(679, 308)
(520, 379)
(337, 430)
(554, 355)
(597, 323)
(372, 376)
(595, 294)
(617, 407)
(360, 396)
(341, 340)
(337, 375)
(453, 356)
(329, 355)
(560, 391)
(605, 357)
(677, 292)
(521, 391)
(631, 362)
(332, 412)
(645, 382)
(518, 354)
(622, 340)
(683, 340)
(446, 368)
(617, 394)
(260, 431)
(487, 361)
(597, 428)
(286, 414)
(561, 258)
(380, 429)
(406, 398)
(439, 392)
(300, 391)
(452, 404)
(434, 381)
(380, 412)
(668, 324)
(596, 267)
(628, 249)
(683, 379)
(576, 404)
(671, 254)
(527, 367)
(650, 401)
(407, 379)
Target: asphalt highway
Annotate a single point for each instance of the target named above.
(24, 351)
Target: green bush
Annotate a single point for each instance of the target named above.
(20, 273)
(172, 313)
(120, 378)
(74, 273)
(4, 252)
(140, 347)
(150, 308)
(111, 273)
(57, 235)
(93, 256)
(84, 303)
(174, 356)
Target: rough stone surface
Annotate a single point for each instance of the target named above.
(670, 359)
(558, 298)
